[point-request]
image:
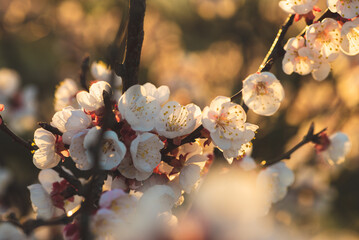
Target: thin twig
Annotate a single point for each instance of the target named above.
(309, 137)
(50, 128)
(85, 66)
(71, 179)
(16, 138)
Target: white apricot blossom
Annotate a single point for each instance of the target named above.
(145, 151)
(298, 58)
(345, 8)
(100, 71)
(297, 6)
(70, 121)
(349, 42)
(45, 156)
(121, 203)
(323, 38)
(226, 122)
(240, 146)
(191, 172)
(41, 201)
(65, 94)
(263, 93)
(78, 152)
(161, 93)
(338, 148)
(128, 170)
(139, 109)
(157, 199)
(274, 181)
(93, 100)
(175, 120)
(112, 150)
(247, 163)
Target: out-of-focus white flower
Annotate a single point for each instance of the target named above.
(349, 42)
(157, 199)
(41, 201)
(112, 150)
(298, 58)
(9, 83)
(263, 93)
(175, 120)
(45, 156)
(100, 71)
(47, 178)
(104, 224)
(345, 8)
(191, 172)
(323, 38)
(321, 69)
(65, 94)
(247, 163)
(161, 94)
(121, 203)
(93, 100)
(78, 151)
(9, 231)
(145, 152)
(297, 6)
(70, 121)
(139, 109)
(274, 181)
(5, 178)
(225, 121)
(338, 148)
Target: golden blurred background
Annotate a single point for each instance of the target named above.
(200, 49)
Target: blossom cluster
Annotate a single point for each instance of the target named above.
(320, 46)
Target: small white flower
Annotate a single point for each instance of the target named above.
(298, 58)
(78, 151)
(274, 181)
(128, 170)
(145, 152)
(47, 177)
(321, 69)
(263, 93)
(139, 109)
(93, 100)
(224, 120)
(349, 42)
(45, 156)
(297, 6)
(161, 94)
(9, 231)
(338, 148)
(9, 83)
(70, 121)
(65, 94)
(157, 199)
(247, 163)
(323, 38)
(191, 172)
(112, 150)
(100, 71)
(121, 203)
(175, 120)
(346, 8)
(41, 202)
(241, 145)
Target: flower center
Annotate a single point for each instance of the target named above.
(261, 88)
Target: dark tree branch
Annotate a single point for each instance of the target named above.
(50, 128)
(134, 43)
(85, 67)
(16, 138)
(309, 137)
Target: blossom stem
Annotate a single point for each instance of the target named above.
(16, 138)
(71, 179)
(309, 137)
